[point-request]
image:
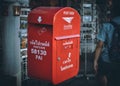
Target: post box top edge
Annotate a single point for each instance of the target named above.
(45, 15)
(44, 12)
(70, 8)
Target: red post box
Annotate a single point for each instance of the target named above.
(53, 43)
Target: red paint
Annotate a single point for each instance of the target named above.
(53, 43)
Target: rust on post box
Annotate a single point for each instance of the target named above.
(53, 43)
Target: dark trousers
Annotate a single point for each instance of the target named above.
(111, 71)
(114, 78)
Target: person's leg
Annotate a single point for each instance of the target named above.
(115, 78)
(103, 74)
(117, 75)
(102, 80)
(113, 75)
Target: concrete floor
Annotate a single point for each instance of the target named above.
(76, 81)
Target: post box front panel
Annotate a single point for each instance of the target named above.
(66, 31)
(39, 51)
(67, 58)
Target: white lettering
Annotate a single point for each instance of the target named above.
(39, 52)
(68, 13)
(37, 57)
(66, 67)
(67, 27)
(39, 43)
(68, 43)
(33, 51)
(39, 49)
(68, 60)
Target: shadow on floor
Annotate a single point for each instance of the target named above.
(76, 81)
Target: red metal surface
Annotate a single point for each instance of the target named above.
(53, 43)
(47, 14)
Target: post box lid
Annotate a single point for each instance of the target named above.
(66, 23)
(43, 15)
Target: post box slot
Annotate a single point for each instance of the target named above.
(66, 37)
(41, 25)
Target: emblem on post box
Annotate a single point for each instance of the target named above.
(68, 19)
(39, 19)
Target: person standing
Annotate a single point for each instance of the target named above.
(107, 72)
